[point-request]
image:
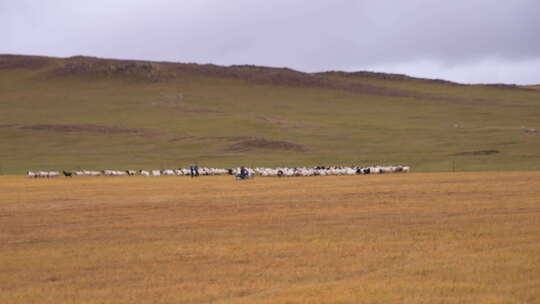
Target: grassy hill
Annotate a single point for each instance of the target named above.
(82, 112)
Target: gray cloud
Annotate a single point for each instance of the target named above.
(466, 41)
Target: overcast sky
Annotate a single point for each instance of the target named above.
(469, 41)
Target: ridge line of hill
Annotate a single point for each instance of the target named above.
(161, 70)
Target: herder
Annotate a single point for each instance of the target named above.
(194, 170)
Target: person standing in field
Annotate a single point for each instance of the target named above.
(194, 170)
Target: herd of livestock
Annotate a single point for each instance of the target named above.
(238, 172)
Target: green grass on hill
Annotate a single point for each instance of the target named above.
(95, 113)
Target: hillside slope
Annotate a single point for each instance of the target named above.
(83, 112)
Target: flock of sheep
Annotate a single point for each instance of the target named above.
(269, 172)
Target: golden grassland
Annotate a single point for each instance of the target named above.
(410, 238)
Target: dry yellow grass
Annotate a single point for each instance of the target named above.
(411, 238)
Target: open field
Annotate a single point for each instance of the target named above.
(404, 238)
(95, 114)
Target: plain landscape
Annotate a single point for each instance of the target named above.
(402, 238)
(463, 227)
